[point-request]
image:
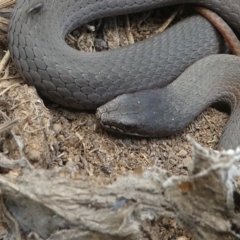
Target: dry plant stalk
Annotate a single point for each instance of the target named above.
(54, 207)
(6, 3)
(4, 24)
(8, 125)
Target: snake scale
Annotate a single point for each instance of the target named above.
(150, 105)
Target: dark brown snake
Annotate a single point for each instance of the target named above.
(82, 80)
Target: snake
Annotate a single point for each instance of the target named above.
(152, 88)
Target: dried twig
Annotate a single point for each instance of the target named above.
(7, 3)
(8, 125)
(168, 21)
(128, 30)
(4, 62)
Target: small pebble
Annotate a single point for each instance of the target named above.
(57, 127)
(183, 238)
(182, 153)
(144, 142)
(186, 162)
(72, 141)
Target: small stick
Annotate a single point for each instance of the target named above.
(8, 125)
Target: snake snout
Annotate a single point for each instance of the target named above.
(121, 115)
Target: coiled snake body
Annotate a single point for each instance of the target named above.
(81, 80)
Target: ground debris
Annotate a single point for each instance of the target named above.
(56, 207)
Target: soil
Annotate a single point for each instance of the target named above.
(69, 141)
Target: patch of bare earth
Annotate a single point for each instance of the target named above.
(56, 138)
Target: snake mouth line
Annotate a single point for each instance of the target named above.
(114, 129)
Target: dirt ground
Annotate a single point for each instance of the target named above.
(68, 141)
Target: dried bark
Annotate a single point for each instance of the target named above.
(53, 207)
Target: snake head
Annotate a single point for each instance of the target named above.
(147, 113)
(120, 115)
